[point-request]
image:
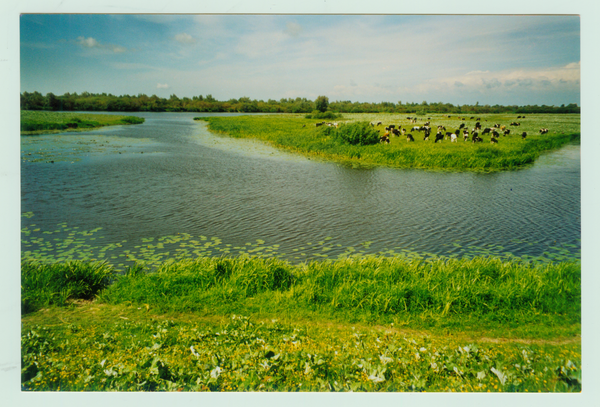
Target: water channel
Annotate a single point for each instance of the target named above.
(169, 187)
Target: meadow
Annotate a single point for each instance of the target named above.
(253, 324)
(299, 134)
(42, 122)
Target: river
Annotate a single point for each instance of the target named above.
(169, 187)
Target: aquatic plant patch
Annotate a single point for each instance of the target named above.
(73, 243)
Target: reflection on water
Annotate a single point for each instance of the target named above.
(170, 176)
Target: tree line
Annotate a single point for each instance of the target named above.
(142, 103)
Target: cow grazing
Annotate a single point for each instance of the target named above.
(493, 140)
(524, 135)
(385, 138)
(506, 132)
(439, 137)
(453, 138)
(461, 126)
(466, 135)
(486, 130)
(395, 132)
(544, 131)
(409, 137)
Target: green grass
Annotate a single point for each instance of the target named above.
(360, 324)
(368, 289)
(295, 133)
(98, 348)
(40, 122)
(43, 284)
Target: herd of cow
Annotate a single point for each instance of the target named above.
(442, 134)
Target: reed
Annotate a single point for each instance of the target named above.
(368, 288)
(44, 284)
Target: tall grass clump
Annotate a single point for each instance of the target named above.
(367, 287)
(481, 286)
(191, 285)
(360, 133)
(44, 284)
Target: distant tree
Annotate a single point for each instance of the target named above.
(321, 103)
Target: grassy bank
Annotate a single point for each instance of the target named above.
(295, 133)
(367, 324)
(41, 122)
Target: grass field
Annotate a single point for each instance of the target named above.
(42, 122)
(251, 324)
(295, 133)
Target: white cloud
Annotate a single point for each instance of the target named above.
(292, 28)
(162, 86)
(87, 42)
(184, 38)
(93, 43)
(524, 78)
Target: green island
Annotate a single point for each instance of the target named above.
(44, 122)
(246, 323)
(300, 134)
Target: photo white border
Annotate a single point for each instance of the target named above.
(10, 192)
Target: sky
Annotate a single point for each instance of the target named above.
(458, 59)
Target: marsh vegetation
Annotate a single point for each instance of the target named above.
(40, 122)
(511, 152)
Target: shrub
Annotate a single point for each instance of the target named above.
(360, 133)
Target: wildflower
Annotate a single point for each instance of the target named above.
(216, 372)
(194, 351)
(501, 376)
(376, 379)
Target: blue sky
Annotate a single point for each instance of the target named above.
(460, 59)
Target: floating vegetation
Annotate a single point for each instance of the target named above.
(67, 244)
(73, 148)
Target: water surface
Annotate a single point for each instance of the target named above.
(171, 177)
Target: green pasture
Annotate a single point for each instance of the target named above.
(298, 134)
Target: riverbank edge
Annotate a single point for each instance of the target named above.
(79, 130)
